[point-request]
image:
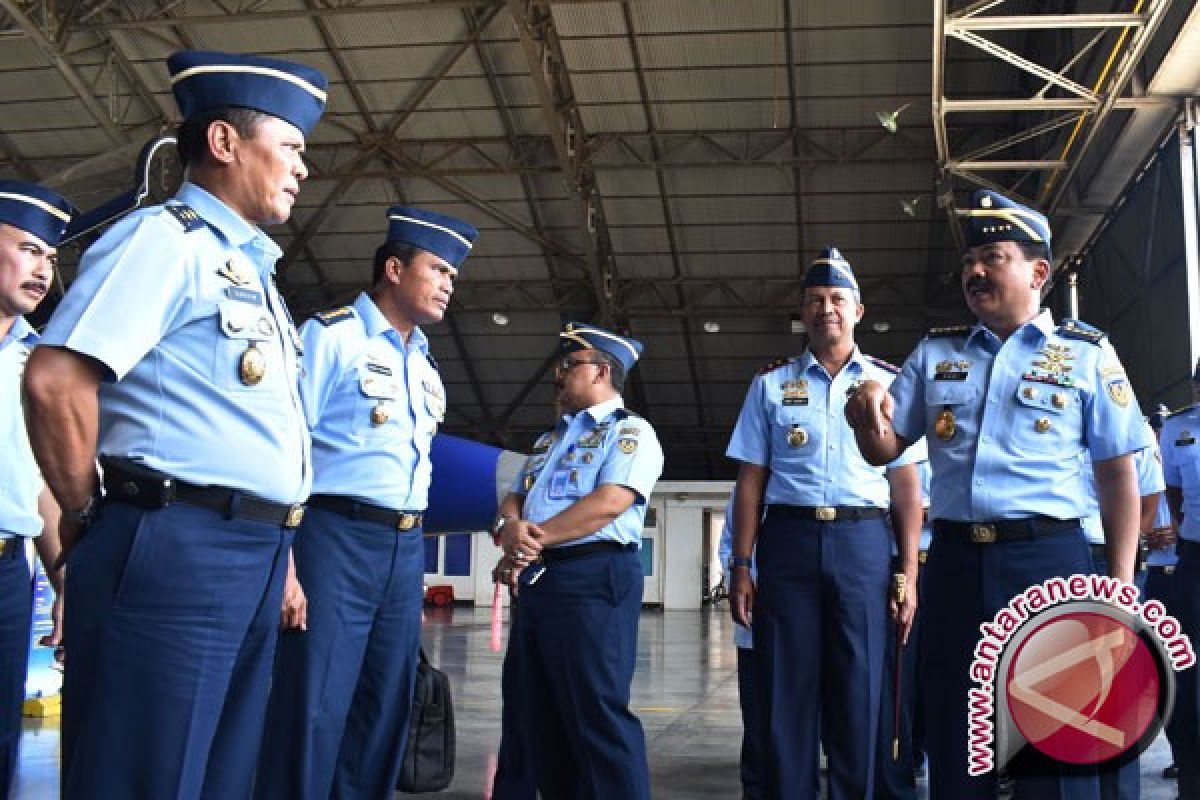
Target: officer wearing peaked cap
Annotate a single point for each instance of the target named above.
(574, 521)
(1008, 407)
(192, 403)
(1181, 466)
(32, 221)
(339, 710)
(820, 604)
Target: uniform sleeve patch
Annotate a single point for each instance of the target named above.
(1074, 329)
(334, 315)
(627, 446)
(186, 216)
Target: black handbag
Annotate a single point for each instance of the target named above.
(429, 756)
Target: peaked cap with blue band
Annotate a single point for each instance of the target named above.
(577, 336)
(205, 80)
(831, 269)
(35, 209)
(446, 237)
(992, 217)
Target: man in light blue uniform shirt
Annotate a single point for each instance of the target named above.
(174, 358)
(822, 548)
(1008, 407)
(743, 640)
(339, 712)
(1181, 466)
(574, 522)
(32, 222)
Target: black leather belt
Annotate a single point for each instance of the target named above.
(355, 509)
(1003, 530)
(829, 513)
(10, 546)
(553, 555)
(153, 491)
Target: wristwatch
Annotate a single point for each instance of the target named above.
(85, 514)
(740, 561)
(498, 525)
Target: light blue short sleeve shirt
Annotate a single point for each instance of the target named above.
(604, 444)
(20, 481)
(374, 404)
(1008, 422)
(793, 423)
(169, 300)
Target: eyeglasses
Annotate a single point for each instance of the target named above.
(565, 363)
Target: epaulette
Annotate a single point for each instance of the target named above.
(1183, 410)
(774, 365)
(947, 331)
(432, 361)
(334, 315)
(1074, 329)
(883, 365)
(186, 216)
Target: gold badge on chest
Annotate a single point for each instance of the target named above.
(797, 436)
(379, 414)
(945, 425)
(252, 366)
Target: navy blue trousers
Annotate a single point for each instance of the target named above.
(1186, 716)
(819, 619)
(965, 585)
(576, 646)
(337, 723)
(16, 612)
(514, 772)
(751, 758)
(895, 778)
(1161, 587)
(169, 634)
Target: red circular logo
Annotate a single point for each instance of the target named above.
(1083, 688)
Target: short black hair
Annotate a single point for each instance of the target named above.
(1034, 250)
(403, 251)
(616, 370)
(192, 137)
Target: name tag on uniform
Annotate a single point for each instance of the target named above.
(950, 376)
(243, 295)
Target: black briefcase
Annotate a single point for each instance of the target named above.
(429, 756)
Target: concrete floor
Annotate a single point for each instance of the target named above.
(685, 692)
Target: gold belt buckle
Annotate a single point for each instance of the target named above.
(922, 556)
(294, 516)
(826, 513)
(5, 544)
(983, 534)
(406, 522)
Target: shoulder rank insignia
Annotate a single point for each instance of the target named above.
(186, 216)
(334, 315)
(883, 365)
(1074, 329)
(432, 361)
(947, 331)
(774, 365)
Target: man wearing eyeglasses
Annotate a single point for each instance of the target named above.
(573, 523)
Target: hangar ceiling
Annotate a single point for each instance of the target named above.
(666, 167)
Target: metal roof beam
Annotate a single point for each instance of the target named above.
(1032, 22)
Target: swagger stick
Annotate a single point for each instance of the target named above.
(899, 590)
